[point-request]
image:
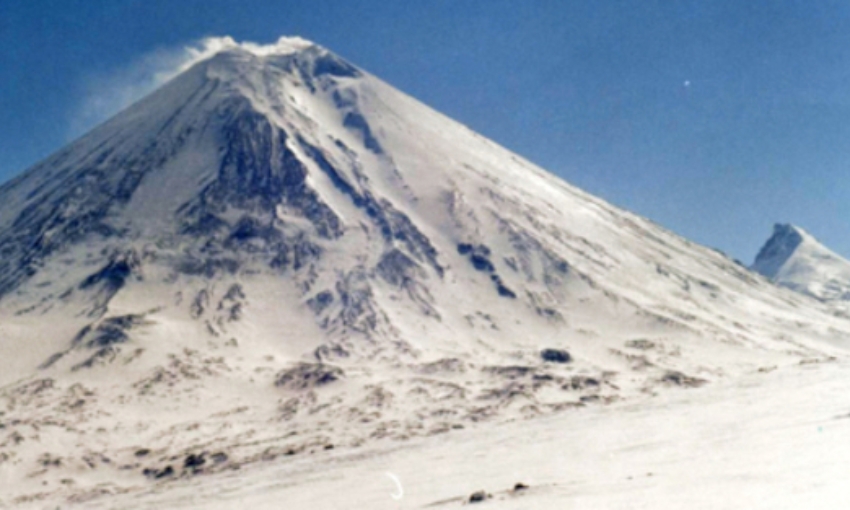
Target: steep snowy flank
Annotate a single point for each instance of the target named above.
(794, 259)
(277, 253)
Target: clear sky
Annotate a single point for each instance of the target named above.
(713, 118)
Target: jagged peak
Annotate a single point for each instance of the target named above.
(788, 229)
(784, 241)
(795, 259)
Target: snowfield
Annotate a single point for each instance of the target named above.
(773, 440)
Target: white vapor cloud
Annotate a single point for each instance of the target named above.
(106, 94)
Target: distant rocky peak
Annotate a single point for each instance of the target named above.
(793, 258)
(778, 249)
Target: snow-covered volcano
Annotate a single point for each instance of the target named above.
(277, 252)
(795, 259)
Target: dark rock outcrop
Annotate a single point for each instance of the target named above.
(555, 355)
(308, 375)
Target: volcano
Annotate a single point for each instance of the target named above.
(277, 253)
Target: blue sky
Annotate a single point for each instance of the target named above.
(713, 118)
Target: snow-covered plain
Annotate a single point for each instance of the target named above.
(277, 279)
(766, 440)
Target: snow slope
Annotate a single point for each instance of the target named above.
(278, 253)
(794, 259)
(774, 440)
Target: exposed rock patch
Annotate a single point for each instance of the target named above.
(308, 375)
